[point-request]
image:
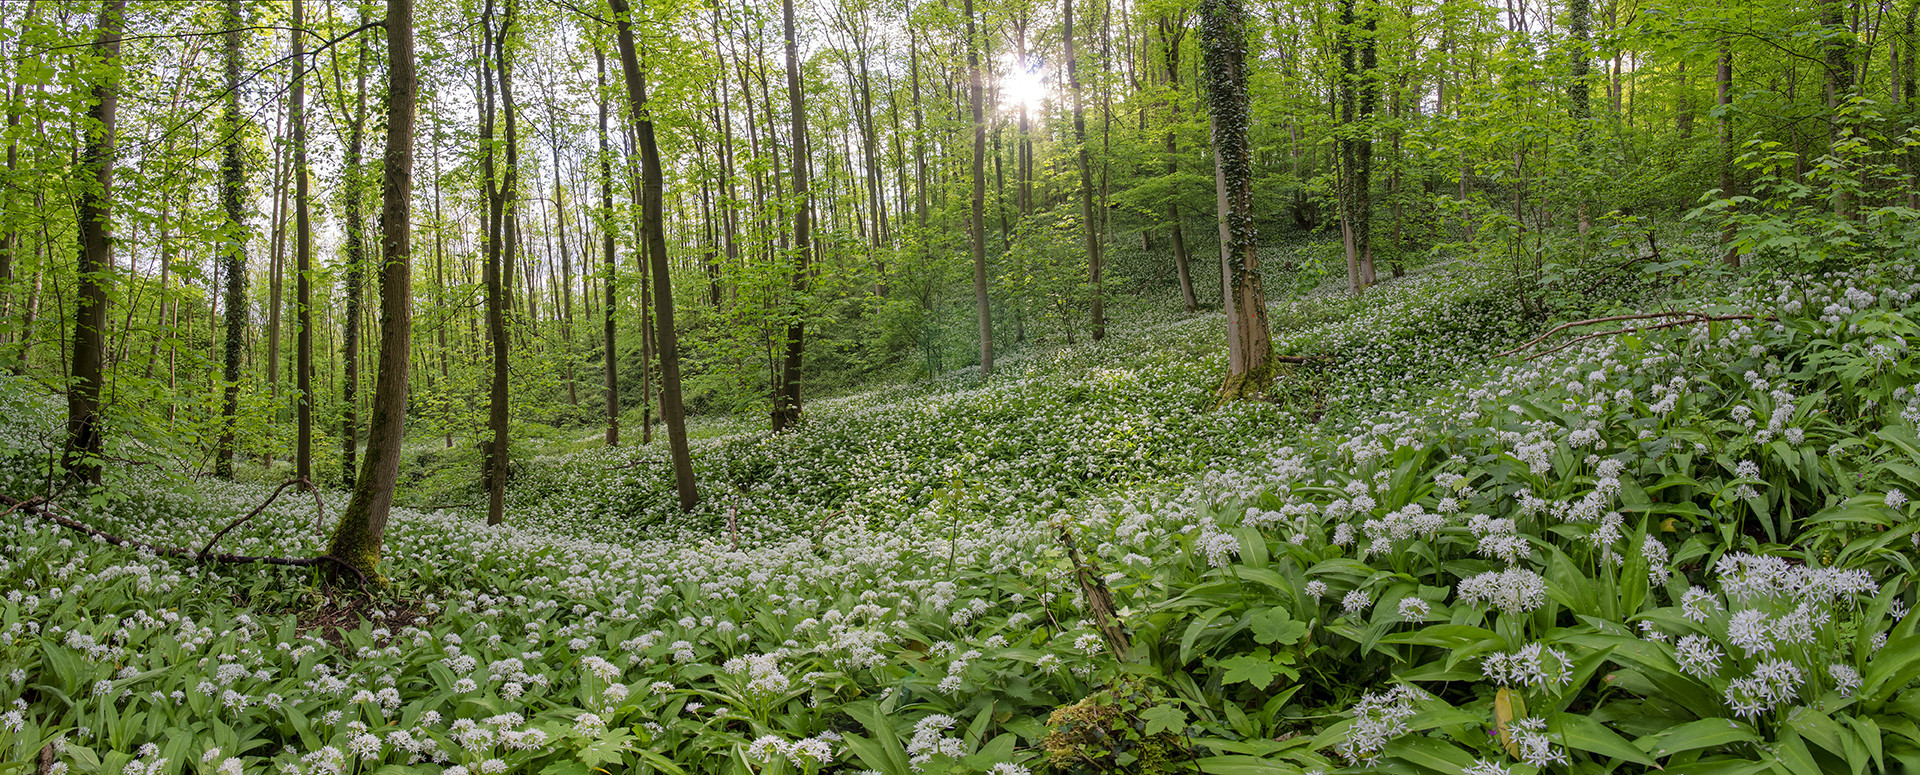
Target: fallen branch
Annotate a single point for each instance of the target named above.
(45, 511)
(1687, 318)
(249, 515)
(1638, 329)
(1099, 599)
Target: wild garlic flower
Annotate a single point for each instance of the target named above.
(1699, 604)
(1698, 656)
(1377, 720)
(1414, 609)
(1514, 591)
(1533, 665)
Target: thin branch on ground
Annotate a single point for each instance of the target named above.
(1687, 318)
(205, 550)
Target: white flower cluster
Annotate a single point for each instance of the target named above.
(1514, 591)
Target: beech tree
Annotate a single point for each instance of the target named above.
(361, 531)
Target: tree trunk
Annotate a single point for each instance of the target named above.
(671, 409)
(1840, 84)
(786, 405)
(1723, 81)
(233, 183)
(302, 253)
(1250, 362)
(977, 214)
(1087, 215)
(354, 280)
(1172, 30)
(10, 241)
(358, 537)
(500, 196)
(1580, 99)
(84, 443)
(611, 334)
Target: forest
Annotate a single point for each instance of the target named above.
(1015, 387)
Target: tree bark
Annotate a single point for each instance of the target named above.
(1250, 362)
(1172, 30)
(1840, 85)
(303, 254)
(671, 409)
(786, 405)
(977, 215)
(500, 196)
(611, 334)
(84, 443)
(1088, 218)
(1723, 82)
(358, 537)
(353, 277)
(233, 184)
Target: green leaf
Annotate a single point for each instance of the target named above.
(606, 748)
(1244, 765)
(1429, 754)
(1583, 733)
(1164, 718)
(1256, 670)
(1695, 735)
(1276, 626)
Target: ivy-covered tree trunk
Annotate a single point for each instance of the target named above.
(672, 410)
(85, 445)
(358, 537)
(1223, 43)
(233, 193)
(1837, 56)
(352, 277)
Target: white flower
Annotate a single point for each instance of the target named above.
(1698, 656)
(1413, 609)
(1515, 590)
(1356, 602)
(1896, 499)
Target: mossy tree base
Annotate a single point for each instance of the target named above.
(1254, 384)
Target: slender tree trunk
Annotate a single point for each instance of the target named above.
(977, 216)
(499, 255)
(1087, 214)
(1840, 86)
(362, 528)
(233, 183)
(671, 409)
(302, 253)
(84, 443)
(566, 276)
(354, 280)
(10, 240)
(611, 334)
(1172, 30)
(1580, 99)
(1250, 362)
(1723, 82)
(786, 405)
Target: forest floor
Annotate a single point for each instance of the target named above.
(1669, 547)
